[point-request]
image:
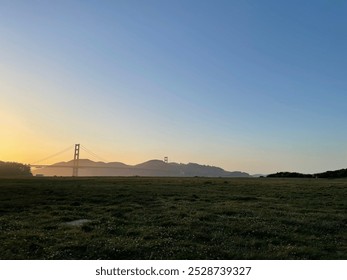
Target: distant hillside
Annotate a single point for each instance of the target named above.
(149, 168)
(289, 175)
(341, 173)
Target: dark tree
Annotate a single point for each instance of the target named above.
(10, 169)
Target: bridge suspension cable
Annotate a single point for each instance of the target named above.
(93, 154)
(54, 155)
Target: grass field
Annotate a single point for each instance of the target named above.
(173, 218)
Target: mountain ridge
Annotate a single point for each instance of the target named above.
(153, 167)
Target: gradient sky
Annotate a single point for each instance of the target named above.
(256, 86)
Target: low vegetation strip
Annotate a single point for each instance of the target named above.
(336, 174)
(173, 218)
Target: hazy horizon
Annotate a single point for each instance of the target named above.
(253, 86)
(36, 170)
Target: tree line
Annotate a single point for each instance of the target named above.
(341, 173)
(14, 169)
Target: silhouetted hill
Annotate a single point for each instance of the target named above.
(341, 173)
(289, 175)
(148, 168)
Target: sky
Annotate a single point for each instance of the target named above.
(255, 86)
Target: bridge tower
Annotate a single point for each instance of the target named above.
(76, 160)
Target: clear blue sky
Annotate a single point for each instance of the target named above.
(257, 86)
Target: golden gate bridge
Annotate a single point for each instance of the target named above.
(75, 166)
(76, 161)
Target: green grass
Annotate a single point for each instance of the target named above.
(173, 218)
